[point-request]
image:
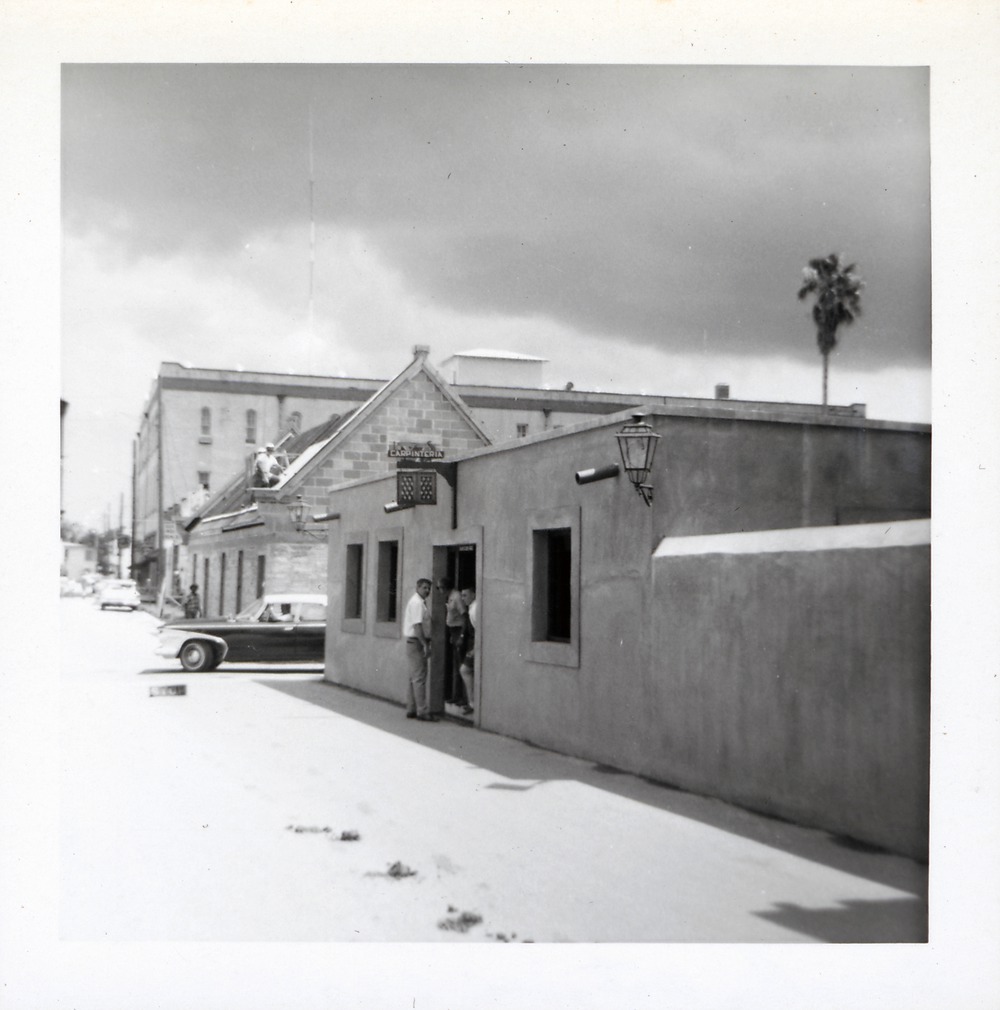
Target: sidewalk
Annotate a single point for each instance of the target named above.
(746, 836)
(218, 815)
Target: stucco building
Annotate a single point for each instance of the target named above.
(759, 632)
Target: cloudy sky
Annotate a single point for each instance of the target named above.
(642, 227)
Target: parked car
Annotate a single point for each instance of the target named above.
(119, 593)
(278, 628)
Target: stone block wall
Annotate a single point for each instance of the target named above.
(417, 412)
(297, 568)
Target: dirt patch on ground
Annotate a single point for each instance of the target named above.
(396, 871)
(344, 836)
(460, 923)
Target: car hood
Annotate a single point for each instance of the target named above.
(199, 623)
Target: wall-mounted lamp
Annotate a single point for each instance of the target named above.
(637, 444)
(300, 517)
(394, 506)
(597, 473)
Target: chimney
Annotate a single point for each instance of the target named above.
(722, 391)
(421, 350)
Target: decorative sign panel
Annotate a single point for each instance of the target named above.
(416, 487)
(414, 450)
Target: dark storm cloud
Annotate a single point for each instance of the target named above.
(666, 206)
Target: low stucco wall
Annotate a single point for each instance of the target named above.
(798, 683)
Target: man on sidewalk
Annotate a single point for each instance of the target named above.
(417, 637)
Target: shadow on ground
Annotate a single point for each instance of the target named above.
(523, 766)
(899, 920)
(256, 669)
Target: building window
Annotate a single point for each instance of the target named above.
(522, 430)
(251, 435)
(204, 586)
(206, 421)
(354, 582)
(203, 479)
(261, 567)
(387, 593)
(239, 582)
(222, 584)
(552, 586)
(553, 590)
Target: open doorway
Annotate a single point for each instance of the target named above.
(454, 570)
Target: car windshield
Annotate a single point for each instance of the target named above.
(285, 610)
(252, 612)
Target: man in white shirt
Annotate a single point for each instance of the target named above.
(268, 468)
(417, 636)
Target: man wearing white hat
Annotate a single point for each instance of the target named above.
(267, 469)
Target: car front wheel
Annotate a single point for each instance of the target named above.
(197, 656)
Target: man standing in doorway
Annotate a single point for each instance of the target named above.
(454, 619)
(417, 636)
(467, 647)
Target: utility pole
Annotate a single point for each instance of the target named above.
(312, 226)
(120, 532)
(160, 551)
(132, 552)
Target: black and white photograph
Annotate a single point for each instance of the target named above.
(495, 503)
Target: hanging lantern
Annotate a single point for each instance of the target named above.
(637, 444)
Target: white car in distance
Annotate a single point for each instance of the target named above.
(119, 593)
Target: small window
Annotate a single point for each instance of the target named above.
(239, 581)
(261, 569)
(387, 608)
(353, 581)
(251, 434)
(206, 421)
(522, 430)
(552, 599)
(203, 479)
(222, 584)
(312, 612)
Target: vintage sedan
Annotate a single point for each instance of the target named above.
(278, 628)
(119, 593)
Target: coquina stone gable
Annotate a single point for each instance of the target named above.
(417, 412)
(417, 409)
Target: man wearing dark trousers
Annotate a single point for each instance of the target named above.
(417, 638)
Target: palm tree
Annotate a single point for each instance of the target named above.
(838, 300)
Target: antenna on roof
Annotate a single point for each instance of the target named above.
(312, 225)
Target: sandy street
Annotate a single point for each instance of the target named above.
(229, 813)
